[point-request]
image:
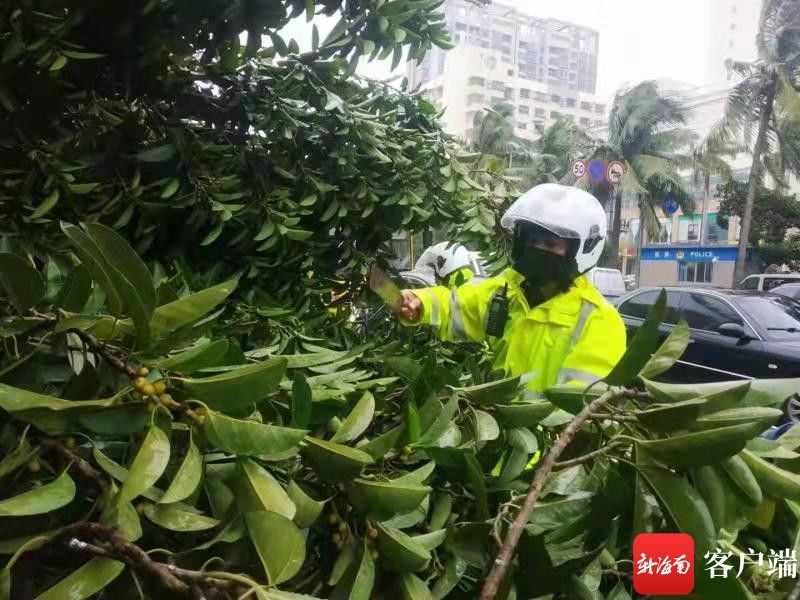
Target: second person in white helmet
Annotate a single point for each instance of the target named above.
(546, 322)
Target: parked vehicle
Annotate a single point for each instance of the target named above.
(734, 334)
(609, 281)
(790, 290)
(764, 282)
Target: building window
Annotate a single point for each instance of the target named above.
(477, 81)
(541, 113)
(555, 99)
(498, 85)
(541, 97)
(598, 123)
(570, 102)
(524, 110)
(523, 125)
(511, 72)
(474, 98)
(714, 232)
(508, 93)
(497, 100)
(694, 232)
(524, 94)
(555, 115)
(695, 272)
(461, 26)
(600, 109)
(585, 122)
(665, 235)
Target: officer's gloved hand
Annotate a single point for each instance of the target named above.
(411, 308)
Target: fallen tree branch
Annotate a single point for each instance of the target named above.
(504, 558)
(99, 540)
(566, 464)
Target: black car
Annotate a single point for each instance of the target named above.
(734, 334)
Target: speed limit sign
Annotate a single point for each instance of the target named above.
(578, 169)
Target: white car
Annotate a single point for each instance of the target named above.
(609, 281)
(764, 282)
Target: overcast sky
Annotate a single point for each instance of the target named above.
(639, 39)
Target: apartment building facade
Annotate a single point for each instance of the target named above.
(546, 69)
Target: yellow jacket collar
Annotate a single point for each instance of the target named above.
(569, 302)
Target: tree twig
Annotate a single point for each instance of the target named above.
(84, 467)
(101, 349)
(566, 464)
(503, 560)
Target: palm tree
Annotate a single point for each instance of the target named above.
(645, 133)
(709, 158)
(493, 134)
(766, 101)
(552, 153)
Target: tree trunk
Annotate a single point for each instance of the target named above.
(704, 213)
(752, 184)
(612, 254)
(640, 242)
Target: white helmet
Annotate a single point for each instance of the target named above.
(444, 258)
(569, 213)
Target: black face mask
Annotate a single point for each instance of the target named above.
(544, 272)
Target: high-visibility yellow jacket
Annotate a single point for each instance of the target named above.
(573, 338)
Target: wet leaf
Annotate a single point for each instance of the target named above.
(236, 392)
(383, 500)
(40, 500)
(454, 571)
(187, 478)
(301, 401)
(22, 284)
(359, 579)
(413, 588)
(357, 421)
(257, 490)
(335, 462)
(486, 428)
(249, 438)
(501, 391)
(196, 358)
(148, 466)
(89, 579)
(184, 311)
(440, 424)
(773, 480)
(671, 417)
(308, 509)
(279, 543)
(668, 353)
(641, 346)
(173, 518)
(524, 414)
(400, 552)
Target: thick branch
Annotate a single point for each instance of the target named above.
(509, 546)
(110, 543)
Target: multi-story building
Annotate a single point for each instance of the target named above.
(734, 25)
(546, 69)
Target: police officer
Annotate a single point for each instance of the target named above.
(546, 322)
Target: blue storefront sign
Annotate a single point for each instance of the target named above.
(690, 253)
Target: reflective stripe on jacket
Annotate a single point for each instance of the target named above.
(574, 338)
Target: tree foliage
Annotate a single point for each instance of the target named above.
(773, 212)
(180, 416)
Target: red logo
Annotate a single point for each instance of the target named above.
(663, 564)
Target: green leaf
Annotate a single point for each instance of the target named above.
(431, 540)
(524, 414)
(148, 466)
(700, 448)
(478, 485)
(773, 480)
(82, 188)
(88, 580)
(95, 261)
(668, 353)
(359, 579)
(552, 515)
(501, 391)
(335, 462)
(524, 439)
(301, 401)
(683, 505)
(17, 400)
(173, 518)
(383, 500)
(76, 291)
(442, 509)
(762, 417)
(47, 204)
(417, 475)
(453, 572)
(641, 347)
(170, 317)
(357, 421)
(195, 358)
(212, 235)
(743, 479)
(236, 392)
(18, 457)
(157, 154)
(413, 588)
(257, 490)
(81, 55)
(187, 478)
(120, 473)
(59, 63)
(41, 500)
(220, 496)
(486, 428)
(380, 446)
(308, 509)
(249, 438)
(170, 188)
(22, 283)
(671, 417)
(279, 543)
(5, 572)
(399, 551)
(440, 424)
